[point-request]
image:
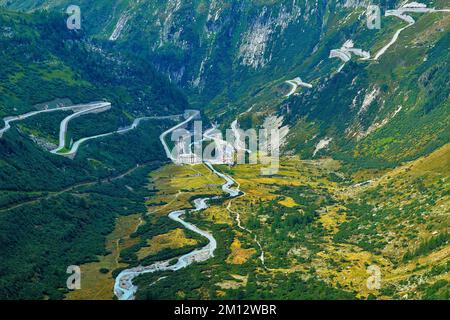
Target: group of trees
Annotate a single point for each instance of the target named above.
(427, 246)
(41, 61)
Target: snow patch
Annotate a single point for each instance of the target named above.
(322, 144)
(368, 99)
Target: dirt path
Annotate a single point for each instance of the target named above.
(71, 188)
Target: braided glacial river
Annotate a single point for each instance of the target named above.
(124, 289)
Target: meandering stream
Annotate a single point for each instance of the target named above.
(124, 289)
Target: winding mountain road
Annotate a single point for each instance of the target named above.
(79, 110)
(124, 289)
(401, 13)
(346, 51)
(295, 83)
(94, 107)
(162, 137)
(76, 145)
(9, 120)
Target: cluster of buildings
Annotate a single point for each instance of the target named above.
(224, 153)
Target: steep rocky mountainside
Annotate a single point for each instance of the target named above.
(202, 45)
(231, 56)
(374, 99)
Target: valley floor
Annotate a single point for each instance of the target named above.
(368, 233)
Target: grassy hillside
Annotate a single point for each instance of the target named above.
(376, 195)
(320, 227)
(382, 112)
(43, 60)
(230, 56)
(56, 212)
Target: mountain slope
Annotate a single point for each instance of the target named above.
(55, 212)
(311, 231)
(231, 56)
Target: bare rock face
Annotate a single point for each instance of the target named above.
(196, 43)
(193, 42)
(253, 49)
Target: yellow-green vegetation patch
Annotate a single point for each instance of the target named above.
(347, 266)
(368, 218)
(238, 254)
(332, 217)
(217, 214)
(288, 202)
(177, 184)
(173, 239)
